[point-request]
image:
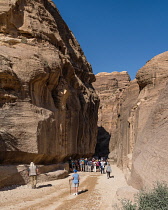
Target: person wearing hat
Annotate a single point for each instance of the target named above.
(75, 181)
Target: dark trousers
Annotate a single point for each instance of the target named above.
(108, 175)
(102, 170)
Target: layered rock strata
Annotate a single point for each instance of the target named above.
(48, 107)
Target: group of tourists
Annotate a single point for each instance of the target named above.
(83, 164)
(88, 165)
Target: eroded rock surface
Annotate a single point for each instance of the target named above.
(150, 159)
(109, 87)
(142, 127)
(48, 107)
(138, 119)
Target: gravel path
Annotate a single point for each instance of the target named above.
(96, 192)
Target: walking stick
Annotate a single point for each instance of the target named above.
(70, 186)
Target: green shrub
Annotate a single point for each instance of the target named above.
(156, 199)
(128, 205)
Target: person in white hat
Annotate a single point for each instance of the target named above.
(33, 171)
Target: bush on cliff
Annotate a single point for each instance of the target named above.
(156, 199)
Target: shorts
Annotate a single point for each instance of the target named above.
(75, 184)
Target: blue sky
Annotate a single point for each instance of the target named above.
(117, 35)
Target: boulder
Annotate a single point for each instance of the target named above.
(12, 175)
(51, 176)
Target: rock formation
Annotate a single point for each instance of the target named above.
(124, 135)
(18, 174)
(142, 142)
(138, 140)
(109, 87)
(48, 107)
(149, 124)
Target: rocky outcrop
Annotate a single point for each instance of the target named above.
(48, 107)
(109, 87)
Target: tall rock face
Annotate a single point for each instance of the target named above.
(135, 117)
(110, 87)
(48, 107)
(149, 122)
(125, 135)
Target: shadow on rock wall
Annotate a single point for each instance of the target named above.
(8, 142)
(12, 175)
(102, 146)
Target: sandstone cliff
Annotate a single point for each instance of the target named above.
(125, 135)
(136, 123)
(48, 107)
(109, 87)
(150, 159)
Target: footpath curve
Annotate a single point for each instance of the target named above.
(96, 192)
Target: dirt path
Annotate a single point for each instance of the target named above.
(96, 192)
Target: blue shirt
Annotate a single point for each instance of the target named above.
(75, 178)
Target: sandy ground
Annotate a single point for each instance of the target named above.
(95, 192)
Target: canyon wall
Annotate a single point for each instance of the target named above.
(109, 87)
(138, 119)
(149, 122)
(48, 107)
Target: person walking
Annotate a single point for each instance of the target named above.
(108, 170)
(94, 165)
(98, 165)
(89, 166)
(82, 164)
(102, 166)
(75, 181)
(86, 164)
(33, 171)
